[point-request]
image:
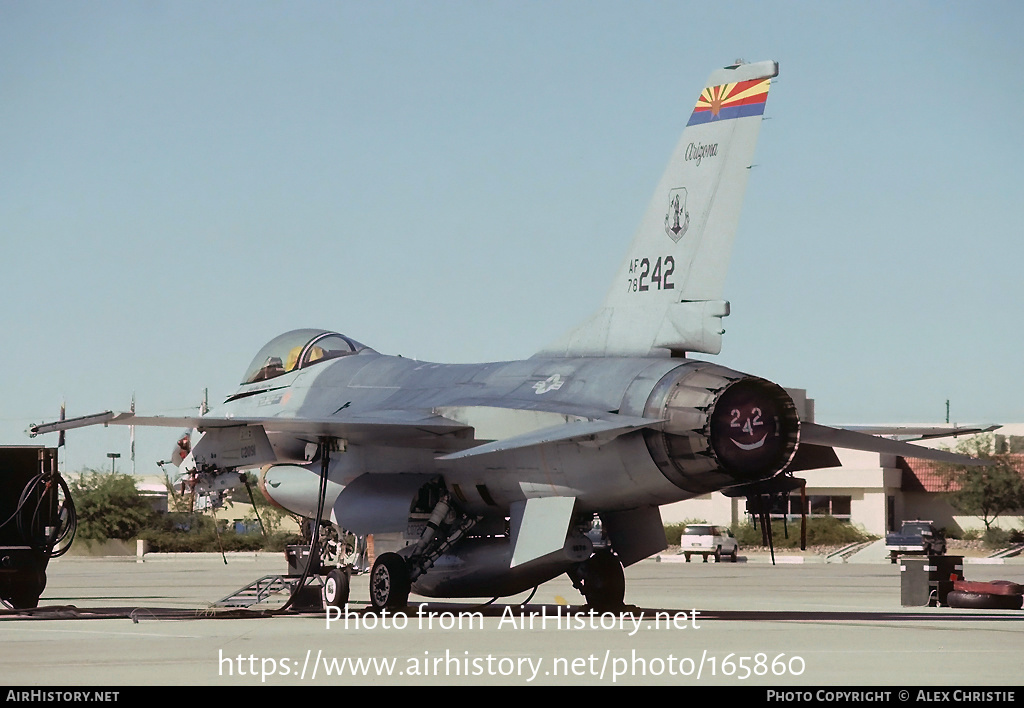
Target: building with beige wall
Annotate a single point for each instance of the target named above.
(874, 491)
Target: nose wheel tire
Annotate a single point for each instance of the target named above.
(336, 589)
(389, 582)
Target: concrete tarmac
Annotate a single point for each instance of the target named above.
(722, 624)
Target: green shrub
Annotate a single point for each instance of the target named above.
(200, 542)
(180, 532)
(996, 537)
(748, 535)
(108, 506)
(821, 531)
(278, 541)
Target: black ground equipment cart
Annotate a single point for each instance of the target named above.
(37, 521)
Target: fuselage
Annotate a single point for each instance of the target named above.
(494, 401)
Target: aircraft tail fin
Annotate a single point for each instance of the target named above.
(667, 295)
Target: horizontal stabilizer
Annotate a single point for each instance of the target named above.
(919, 432)
(813, 457)
(852, 440)
(597, 431)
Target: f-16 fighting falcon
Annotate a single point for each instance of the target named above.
(497, 474)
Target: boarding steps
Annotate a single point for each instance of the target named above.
(1010, 552)
(260, 591)
(843, 554)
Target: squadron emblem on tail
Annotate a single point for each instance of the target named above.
(677, 218)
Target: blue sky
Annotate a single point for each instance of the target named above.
(456, 181)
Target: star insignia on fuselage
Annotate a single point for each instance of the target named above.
(551, 383)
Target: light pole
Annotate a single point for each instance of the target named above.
(113, 457)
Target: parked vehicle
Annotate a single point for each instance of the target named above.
(707, 540)
(916, 538)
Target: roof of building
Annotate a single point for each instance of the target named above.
(928, 476)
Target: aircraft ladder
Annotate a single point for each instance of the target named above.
(259, 591)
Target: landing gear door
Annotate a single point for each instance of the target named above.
(539, 527)
(635, 534)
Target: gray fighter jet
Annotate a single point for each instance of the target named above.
(498, 473)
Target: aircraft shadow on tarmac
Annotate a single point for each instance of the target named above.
(523, 613)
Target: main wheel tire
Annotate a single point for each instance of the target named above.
(336, 589)
(389, 582)
(735, 554)
(687, 556)
(604, 583)
(718, 555)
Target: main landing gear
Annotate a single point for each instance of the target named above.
(389, 582)
(601, 581)
(392, 575)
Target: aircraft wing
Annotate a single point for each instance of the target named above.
(402, 427)
(391, 425)
(855, 440)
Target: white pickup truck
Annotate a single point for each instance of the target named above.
(707, 540)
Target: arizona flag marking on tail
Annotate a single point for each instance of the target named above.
(737, 100)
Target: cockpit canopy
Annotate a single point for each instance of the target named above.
(297, 350)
